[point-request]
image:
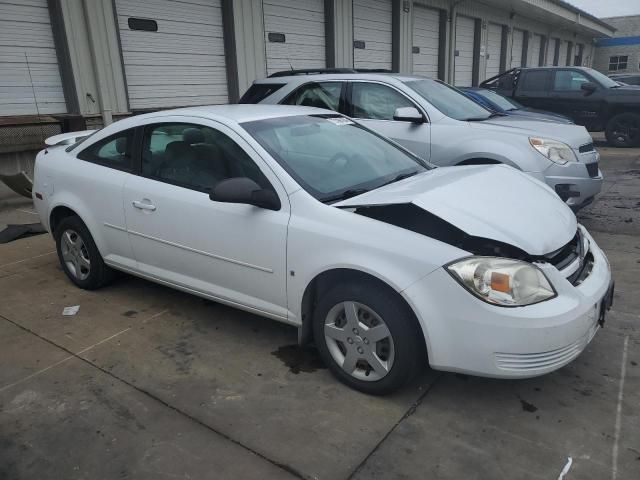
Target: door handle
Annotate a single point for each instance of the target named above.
(143, 206)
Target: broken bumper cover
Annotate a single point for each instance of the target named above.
(465, 334)
(573, 181)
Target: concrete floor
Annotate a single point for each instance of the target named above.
(148, 383)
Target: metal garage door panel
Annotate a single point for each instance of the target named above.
(517, 46)
(302, 23)
(551, 52)
(25, 28)
(533, 56)
(494, 49)
(183, 62)
(372, 26)
(562, 56)
(463, 61)
(426, 41)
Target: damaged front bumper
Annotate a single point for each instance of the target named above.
(465, 334)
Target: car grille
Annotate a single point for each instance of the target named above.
(545, 360)
(577, 250)
(592, 169)
(586, 148)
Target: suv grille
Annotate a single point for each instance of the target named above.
(586, 148)
(592, 169)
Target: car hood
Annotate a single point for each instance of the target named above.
(488, 201)
(540, 115)
(573, 135)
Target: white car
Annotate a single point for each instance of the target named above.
(306, 217)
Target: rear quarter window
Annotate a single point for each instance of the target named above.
(259, 91)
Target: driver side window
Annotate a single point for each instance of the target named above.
(195, 157)
(376, 102)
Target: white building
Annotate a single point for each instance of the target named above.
(620, 54)
(67, 64)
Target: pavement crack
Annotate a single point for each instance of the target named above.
(289, 469)
(410, 411)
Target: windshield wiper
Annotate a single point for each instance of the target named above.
(352, 192)
(479, 119)
(402, 176)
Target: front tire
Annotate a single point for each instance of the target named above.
(79, 256)
(623, 130)
(368, 337)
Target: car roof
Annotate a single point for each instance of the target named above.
(342, 76)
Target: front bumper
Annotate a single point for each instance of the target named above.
(572, 181)
(465, 334)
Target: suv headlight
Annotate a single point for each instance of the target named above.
(554, 150)
(502, 281)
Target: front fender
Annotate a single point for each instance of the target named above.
(74, 202)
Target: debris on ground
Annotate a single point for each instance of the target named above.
(14, 232)
(70, 311)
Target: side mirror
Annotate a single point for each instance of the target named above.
(408, 114)
(589, 87)
(244, 190)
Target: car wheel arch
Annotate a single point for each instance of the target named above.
(59, 213)
(328, 278)
(63, 209)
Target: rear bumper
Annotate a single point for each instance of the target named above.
(465, 334)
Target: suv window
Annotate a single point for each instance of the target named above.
(568, 80)
(259, 91)
(114, 151)
(195, 157)
(534, 81)
(321, 95)
(377, 102)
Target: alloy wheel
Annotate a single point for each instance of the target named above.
(359, 341)
(626, 131)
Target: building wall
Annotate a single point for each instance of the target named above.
(625, 42)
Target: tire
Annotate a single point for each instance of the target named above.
(623, 130)
(402, 351)
(79, 256)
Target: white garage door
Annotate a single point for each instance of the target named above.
(182, 63)
(533, 56)
(294, 34)
(494, 49)
(28, 60)
(551, 51)
(426, 41)
(372, 33)
(562, 57)
(463, 60)
(516, 48)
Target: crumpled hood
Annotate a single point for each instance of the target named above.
(573, 135)
(489, 201)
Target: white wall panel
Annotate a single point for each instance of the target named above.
(372, 24)
(533, 55)
(303, 24)
(463, 61)
(562, 57)
(426, 38)
(493, 49)
(28, 62)
(517, 45)
(183, 62)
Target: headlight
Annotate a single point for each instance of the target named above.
(502, 281)
(554, 150)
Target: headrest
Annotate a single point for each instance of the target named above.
(121, 144)
(193, 135)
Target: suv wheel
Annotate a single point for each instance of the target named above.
(623, 130)
(368, 338)
(79, 256)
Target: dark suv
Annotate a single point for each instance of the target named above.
(588, 97)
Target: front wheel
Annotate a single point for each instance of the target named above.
(368, 337)
(623, 130)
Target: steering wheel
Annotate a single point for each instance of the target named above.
(339, 156)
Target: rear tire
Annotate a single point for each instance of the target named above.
(368, 337)
(79, 256)
(623, 130)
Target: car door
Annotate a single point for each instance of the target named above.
(234, 253)
(374, 104)
(532, 89)
(98, 180)
(569, 99)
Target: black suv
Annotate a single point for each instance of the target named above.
(588, 97)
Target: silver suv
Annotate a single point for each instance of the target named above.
(442, 125)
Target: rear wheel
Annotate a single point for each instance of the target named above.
(368, 337)
(623, 130)
(79, 256)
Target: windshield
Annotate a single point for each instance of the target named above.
(449, 101)
(502, 102)
(332, 157)
(602, 79)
